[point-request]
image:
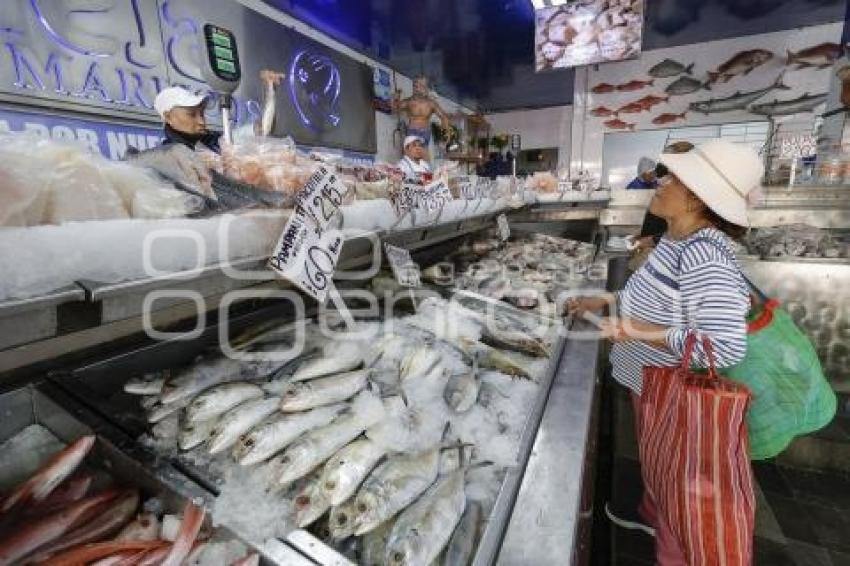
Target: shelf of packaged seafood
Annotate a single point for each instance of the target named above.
(345, 438)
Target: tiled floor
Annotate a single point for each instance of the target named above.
(802, 519)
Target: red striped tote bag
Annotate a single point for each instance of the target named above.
(695, 459)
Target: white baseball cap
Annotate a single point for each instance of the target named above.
(410, 139)
(175, 96)
(721, 173)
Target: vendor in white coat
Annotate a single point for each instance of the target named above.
(415, 164)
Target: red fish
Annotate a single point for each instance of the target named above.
(820, 56)
(650, 100)
(617, 124)
(632, 108)
(53, 473)
(190, 526)
(667, 118)
(601, 112)
(603, 88)
(634, 85)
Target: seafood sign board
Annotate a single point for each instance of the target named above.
(307, 251)
(404, 269)
(584, 33)
(742, 79)
(416, 197)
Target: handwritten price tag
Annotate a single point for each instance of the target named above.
(482, 187)
(406, 272)
(466, 190)
(504, 227)
(306, 257)
(430, 197)
(321, 196)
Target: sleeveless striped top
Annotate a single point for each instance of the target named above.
(694, 283)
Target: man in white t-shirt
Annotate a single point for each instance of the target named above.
(415, 164)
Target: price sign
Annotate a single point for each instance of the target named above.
(321, 196)
(406, 272)
(465, 189)
(430, 197)
(482, 187)
(307, 257)
(504, 227)
(564, 186)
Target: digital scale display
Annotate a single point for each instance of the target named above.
(221, 50)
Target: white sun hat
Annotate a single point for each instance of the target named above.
(721, 174)
(175, 96)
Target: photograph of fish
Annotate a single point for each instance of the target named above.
(742, 63)
(670, 68)
(634, 85)
(587, 32)
(603, 88)
(644, 104)
(669, 118)
(737, 101)
(686, 85)
(820, 56)
(602, 112)
(618, 124)
(805, 103)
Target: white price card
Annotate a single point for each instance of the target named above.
(405, 270)
(307, 256)
(466, 189)
(435, 196)
(321, 196)
(482, 187)
(504, 227)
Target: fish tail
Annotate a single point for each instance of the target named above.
(790, 57)
(689, 69)
(683, 114)
(778, 84)
(651, 82)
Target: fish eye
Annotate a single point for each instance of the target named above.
(398, 557)
(362, 507)
(249, 442)
(342, 519)
(285, 459)
(330, 484)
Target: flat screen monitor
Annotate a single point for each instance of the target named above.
(584, 32)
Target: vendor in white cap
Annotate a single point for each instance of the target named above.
(691, 282)
(185, 123)
(414, 164)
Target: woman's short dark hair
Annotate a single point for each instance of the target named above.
(734, 231)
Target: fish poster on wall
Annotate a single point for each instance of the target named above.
(765, 76)
(584, 32)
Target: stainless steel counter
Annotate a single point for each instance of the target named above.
(550, 521)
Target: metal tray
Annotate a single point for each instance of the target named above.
(98, 386)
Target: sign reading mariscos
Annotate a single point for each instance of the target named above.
(115, 54)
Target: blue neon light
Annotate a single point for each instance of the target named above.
(314, 87)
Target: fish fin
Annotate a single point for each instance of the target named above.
(683, 114)
(689, 70)
(666, 98)
(712, 77)
(747, 72)
(778, 84)
(790, 57)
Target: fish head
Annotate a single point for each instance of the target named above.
(406, 550)
(293, 463)
(366, 508)
(342, 521)
(760, 56)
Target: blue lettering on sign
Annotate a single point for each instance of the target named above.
(110, 140)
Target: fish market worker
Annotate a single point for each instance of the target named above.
(185, 122)
(646, 175)
(414, 164)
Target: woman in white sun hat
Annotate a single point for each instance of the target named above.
(691, 281)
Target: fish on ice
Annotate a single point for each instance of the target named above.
(239, 420)
(305, 395)
(221, 399)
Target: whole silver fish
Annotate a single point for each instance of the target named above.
(685, 85)
(375, 545)
(221, 399)
(323, 391)
(208, 373)
(161, 410)
(424, 528)
(268, 438)
(343, 357)
(419, 362)
(341, 520)
(347, 469)
(737, 101)
(506, 338)
(316, 446)
(145, 385)
(805, 103)
(462, 389)
(310, 503)
(669, 68)
(394, 485)
(240, 420)
(491, 358)
(194, 433)
(462, 543)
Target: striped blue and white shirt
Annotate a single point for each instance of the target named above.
(694, 283)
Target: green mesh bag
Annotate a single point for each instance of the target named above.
(791, 395)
